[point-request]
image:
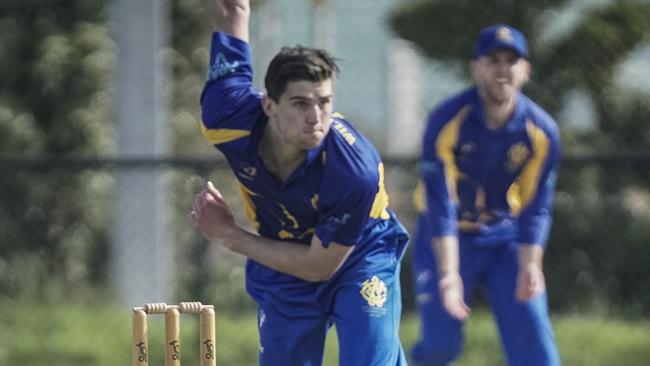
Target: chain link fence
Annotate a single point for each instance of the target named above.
(56, 234)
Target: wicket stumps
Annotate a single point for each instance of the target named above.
(172, 332)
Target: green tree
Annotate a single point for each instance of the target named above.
(55, 58)
(201, 279)
(585, 57)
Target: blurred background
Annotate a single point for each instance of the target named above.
(101, 155)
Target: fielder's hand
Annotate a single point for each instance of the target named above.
(451, 294)
(530, 282)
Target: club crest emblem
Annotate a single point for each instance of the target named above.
(374, 291)
(504, 34)
(517, 156)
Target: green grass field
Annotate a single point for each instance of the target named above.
(65, 335)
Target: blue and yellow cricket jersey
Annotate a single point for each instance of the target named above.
(337, 193)
(490, 185)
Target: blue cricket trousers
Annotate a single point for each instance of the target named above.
(525, 328)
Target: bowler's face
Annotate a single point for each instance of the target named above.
(500, 74)
(303, 113)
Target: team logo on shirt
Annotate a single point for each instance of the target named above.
(250, 170)
(246, 171)
(375, 292)
(517, 155)
(339, 220)
(221, 67)
(467, 148)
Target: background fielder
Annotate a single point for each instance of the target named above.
(489, 163)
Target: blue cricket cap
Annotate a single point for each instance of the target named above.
(500, 36)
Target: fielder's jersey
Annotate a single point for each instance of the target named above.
(337, 193)
(490, 185)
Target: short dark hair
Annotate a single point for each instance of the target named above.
(298, 64)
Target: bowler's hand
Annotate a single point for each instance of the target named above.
(451, 294)
(230, 16)
(530, 283)
(211, 214)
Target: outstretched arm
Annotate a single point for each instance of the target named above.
(530, 278)
(450, 284)
(439, 173)
(212, 217)
(535, 217)
(231, 16)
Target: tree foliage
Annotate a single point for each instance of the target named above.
(445, 30)
(585, 58)
(55, 59)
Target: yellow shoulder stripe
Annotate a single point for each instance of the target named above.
(222, 135)
(445, 145)
(380, 204)
(249, 206)
(419, 198)
(523, 189)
